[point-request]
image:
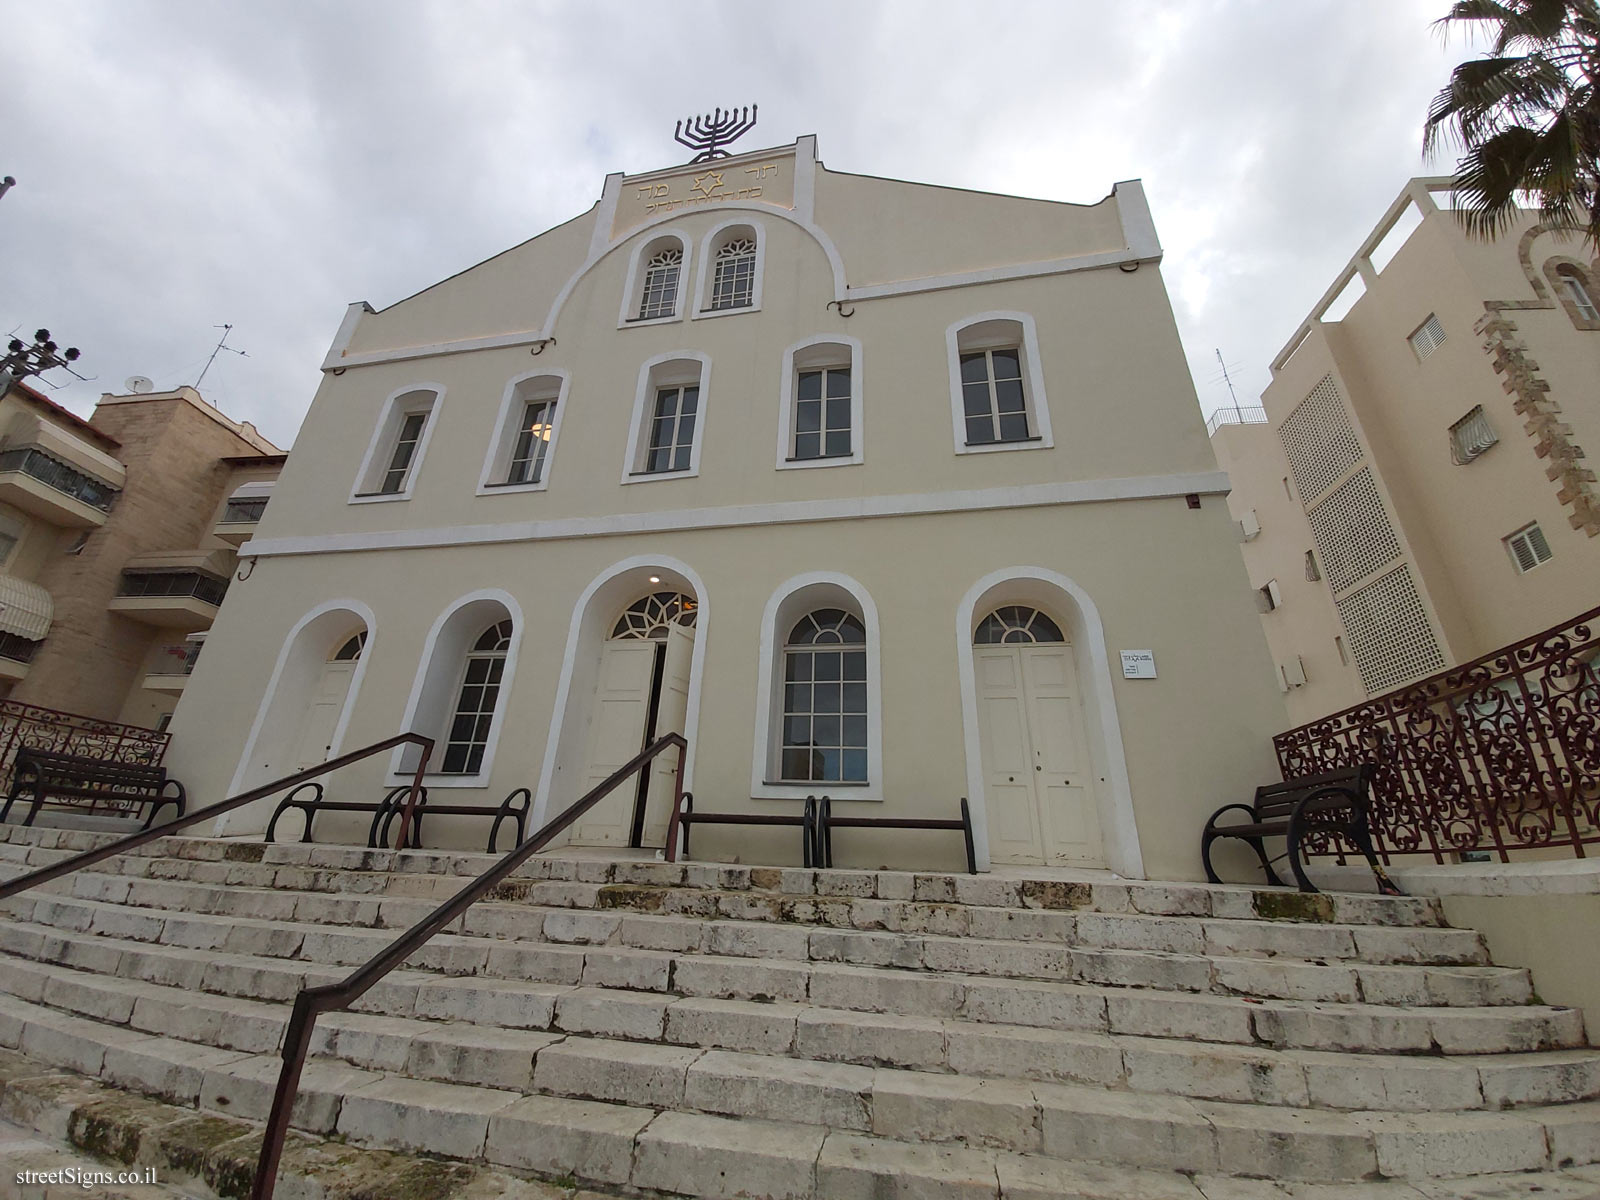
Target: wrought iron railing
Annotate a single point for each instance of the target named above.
(133, 841)
(331, 997)
(1499, 754)
(69, 733)
(52, 472)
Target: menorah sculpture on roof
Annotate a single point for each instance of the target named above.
(708, 134)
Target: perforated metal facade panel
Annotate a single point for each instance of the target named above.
(1353, 531)
(1389, 633)
(1320, 441)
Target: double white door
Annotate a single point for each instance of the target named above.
(1039, 791)
(618, 719)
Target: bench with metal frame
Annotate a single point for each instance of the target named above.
(827, 823)
(685, 817)
(1333, 804)
(112, 788)
(310, 799)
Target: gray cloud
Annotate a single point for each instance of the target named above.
(182, 164)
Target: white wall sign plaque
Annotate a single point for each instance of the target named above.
(1138, 664)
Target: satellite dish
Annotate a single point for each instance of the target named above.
(137, 384)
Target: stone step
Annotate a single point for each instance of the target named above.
(321, 864)
(636, 1143)
(654, 944)
(1214, 937)
(652, 986)
(161, 994)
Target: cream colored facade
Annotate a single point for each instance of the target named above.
(1104, 511)
(1410, 459)
(115, 556)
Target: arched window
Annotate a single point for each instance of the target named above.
(351, 650)
(648, 617)
(1572, 283)
(519, 456)
(661, 271)
(389, 471)
(825, 699)
(733, 273)
(475, 702)
(668, 412)
(1015, 623)
(996, 385)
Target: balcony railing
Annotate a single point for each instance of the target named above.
(1499, 754)
(69, 733)
(69, 481)
(177, 666)
(17, 648)
(166, 584)
(244, 512)
(1235, 415)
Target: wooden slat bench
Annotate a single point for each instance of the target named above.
(1334, 803)
(686, 817)
(310, 800)
(827, 823)
(112, 788)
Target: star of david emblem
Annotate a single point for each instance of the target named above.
(704, 188)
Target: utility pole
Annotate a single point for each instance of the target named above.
(7, 184)
(22, 361)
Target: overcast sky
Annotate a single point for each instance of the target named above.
(184, 164)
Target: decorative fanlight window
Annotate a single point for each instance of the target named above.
(475, 704)
(351, 650)
(825, 699)
(733, 279)
(1014, 623)
(660, 295)
(647, 619)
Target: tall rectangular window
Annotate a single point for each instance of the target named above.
(1580, 298)
(822, 414)
(995, 405)
(533, 442)
(672, 429)
(405, 449)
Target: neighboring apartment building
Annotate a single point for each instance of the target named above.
(865, 486)
(1413, 492)
(117, 539)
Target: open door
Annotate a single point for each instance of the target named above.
(616, 734)
(672, 709)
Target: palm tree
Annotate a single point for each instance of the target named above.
(1526, 114)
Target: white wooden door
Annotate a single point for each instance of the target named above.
(1038, 790)
(315, 738)
(616, 734)
(672, 710)
(1068, 818)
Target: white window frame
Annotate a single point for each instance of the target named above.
(445, 741)
(632, 292)
(1032, 373)
(401, 403)
(1432, 339)
(497, 459)
(672, 369)
(1525, 534)
(442, 683)
(797, 358)
(791, 601)
(707, 273)
(1578, 293)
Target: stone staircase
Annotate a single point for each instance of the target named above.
(725, 1031)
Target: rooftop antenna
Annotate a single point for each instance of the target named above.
(1227, 380)
(226, 330)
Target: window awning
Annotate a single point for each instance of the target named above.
(25, 608)
(256, 489)
(72, 450)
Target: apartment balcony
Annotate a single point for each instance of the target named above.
(53, 489)
(174, 591)
(26, 610)
(174, 665)
(242, 513)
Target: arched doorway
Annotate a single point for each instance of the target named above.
(641, 693)
(1038, 781)
(320, 722)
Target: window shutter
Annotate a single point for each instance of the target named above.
(1529, 548)
(1428, 337)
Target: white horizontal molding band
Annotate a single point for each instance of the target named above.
(875, 291)
(1034, 495)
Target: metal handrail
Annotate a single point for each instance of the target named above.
(311, 1002)
(89, 857)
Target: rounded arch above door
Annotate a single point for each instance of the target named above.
(1014, 623)
(648, 617)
